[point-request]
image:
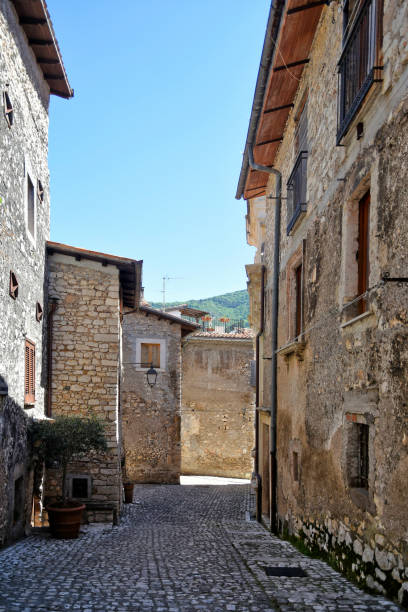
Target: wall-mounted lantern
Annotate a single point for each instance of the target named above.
(151, 376)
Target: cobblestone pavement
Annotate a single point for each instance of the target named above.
(181, 548)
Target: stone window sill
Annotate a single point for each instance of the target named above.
(296, 347)
(354, 320)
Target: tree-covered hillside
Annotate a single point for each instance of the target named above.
(233, 305)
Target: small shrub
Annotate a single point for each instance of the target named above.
(61, 439)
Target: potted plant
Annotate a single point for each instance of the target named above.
(60, 440)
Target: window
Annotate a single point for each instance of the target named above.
(355, 264)
(358, 455)
(294, 295)
(363, 249)
(29, 378)
(295, 458)
(297, 183)
(79, 486)
(358, 68)
(8, 109)
(40, 191)
(13, 286)
(38, 312)
(30, 206)
(150, 354)
(150, 351)
(298, 300)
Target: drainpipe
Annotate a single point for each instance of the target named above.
(53, 307)
(274, 337)
(256, 466)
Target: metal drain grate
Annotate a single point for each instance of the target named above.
(292, 572)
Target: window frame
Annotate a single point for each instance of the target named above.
(29, 175)
(13, 285)
(363, 261)
(8, 109)
(151, 359)
(347, 111)
(296, 186)
(163, 350)
(358, 460)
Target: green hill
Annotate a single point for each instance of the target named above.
(233, 305)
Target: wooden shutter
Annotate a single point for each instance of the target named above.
(29, 379)
(150, 354)
(298, 305)
(363, 249)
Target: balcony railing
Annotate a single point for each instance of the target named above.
(357, 65)
(296, 188)
(220, 324)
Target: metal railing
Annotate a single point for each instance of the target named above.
(220, 324)
(296, 191)
(357, 65)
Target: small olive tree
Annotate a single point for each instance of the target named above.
(62, 439)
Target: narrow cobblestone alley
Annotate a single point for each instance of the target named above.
(177, 548)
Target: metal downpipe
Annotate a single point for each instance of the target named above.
(273, 471)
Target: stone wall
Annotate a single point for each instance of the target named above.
(85, 368)
(23, 149)
(151, 416)
(346, 370)
(217, 428)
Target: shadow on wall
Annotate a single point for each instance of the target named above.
(15, 479)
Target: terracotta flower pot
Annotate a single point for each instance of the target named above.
(128, 486)
(65, 521)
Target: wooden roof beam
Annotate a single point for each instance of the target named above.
(47, 60)
(304, 7)
(291, 65)
(41, 42)
(32, 21)
(266, 142)
(277, 108)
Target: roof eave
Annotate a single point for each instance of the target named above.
(32, 24)
(271, 34)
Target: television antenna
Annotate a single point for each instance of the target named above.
(167, 278)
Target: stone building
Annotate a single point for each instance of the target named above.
(151, 415)
(327, 147)
(29, 72)
(88, 292)
(217, 423)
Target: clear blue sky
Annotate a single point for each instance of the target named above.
(145, 158)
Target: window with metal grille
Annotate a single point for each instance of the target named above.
(297, 183)
(30, 206)
(150, 355)
(29, 378)
(358, 65)
(358, 455)
(80, 487)
(13, 286)
(8, 109)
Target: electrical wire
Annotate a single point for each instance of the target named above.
(333, 311)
